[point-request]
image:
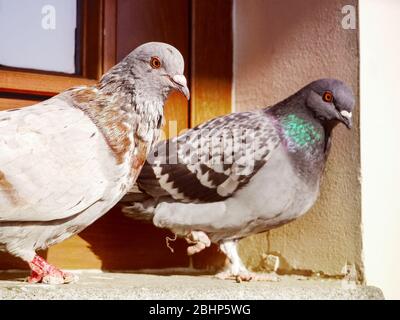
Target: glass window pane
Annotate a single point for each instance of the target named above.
(38, 34)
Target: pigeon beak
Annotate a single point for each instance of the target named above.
(346, 118)
(181, 84)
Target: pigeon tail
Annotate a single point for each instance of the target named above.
(140, 206)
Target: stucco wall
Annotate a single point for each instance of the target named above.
(279, 46)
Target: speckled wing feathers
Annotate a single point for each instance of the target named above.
(212, 161)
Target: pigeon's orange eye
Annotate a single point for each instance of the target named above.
(328, 96)
(155, 62)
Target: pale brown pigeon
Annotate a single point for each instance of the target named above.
(66, 161)
(243, 173)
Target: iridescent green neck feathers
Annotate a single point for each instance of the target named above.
(299, 131)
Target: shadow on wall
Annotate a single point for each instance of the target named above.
(9, 262)
(122, 243)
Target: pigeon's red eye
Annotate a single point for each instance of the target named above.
(155, 62)
(328, 96)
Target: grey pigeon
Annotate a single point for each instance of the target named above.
(66, 161)
(242, 173)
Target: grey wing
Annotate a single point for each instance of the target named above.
(211, 162)
(51, 158)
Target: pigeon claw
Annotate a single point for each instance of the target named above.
(247, 276)
(243, 277)
(59, 277)
(239, 277)
(198, 240)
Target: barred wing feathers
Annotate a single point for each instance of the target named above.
(211, 162)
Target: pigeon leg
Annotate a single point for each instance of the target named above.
(44, 272)
(198, 240)
(236, 269)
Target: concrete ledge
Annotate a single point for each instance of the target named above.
(101, 285)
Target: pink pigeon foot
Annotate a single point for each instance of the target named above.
(43, 272)
(198, 241)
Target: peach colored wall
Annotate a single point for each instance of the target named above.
(279, 46)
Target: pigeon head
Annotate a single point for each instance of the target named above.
(152, 71)
(331, 100)
(157, 69)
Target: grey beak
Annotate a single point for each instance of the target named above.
(346, 118)
(181, 84)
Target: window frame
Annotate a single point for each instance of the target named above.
(98, 49)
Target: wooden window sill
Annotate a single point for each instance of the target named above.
(6, 103)
(38, 83)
